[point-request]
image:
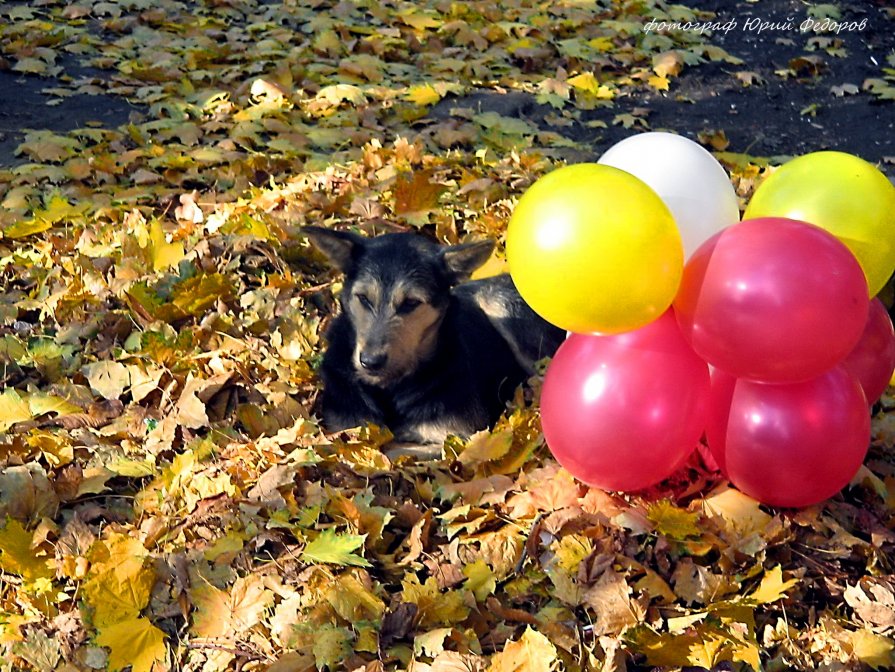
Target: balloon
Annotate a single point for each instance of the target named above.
(873, 359)
(592, 248)
(789, 445)
(687, 178)
(623, 411)
(774, 300)
(843, 194)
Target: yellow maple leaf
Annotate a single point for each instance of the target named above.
(668, 63)
(707, 650)
(435, 607)
(480, 579)
(740, 512)
(20, 407)
(661, 649)
(164, 254)
(331, 646)
(13, 409)
(696, 644)
(570, 551)
(873, 649)
(226, 614)
(337, 93)
(59, 209)
(328, 42)
(11, 627)
(659, 82)
(353, 601)
(486, 446)
(197, 294)
(585, 81)
(119, 553)
(17, 555)
(56, 448)
(772, 587)
(418, 20)
(532, 652)
(673, 521)
(423, 95)
(26, 227)
(135, 642)
(114, 599)
(41, 402)
(363, 66)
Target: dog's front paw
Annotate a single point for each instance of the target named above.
(419, 451)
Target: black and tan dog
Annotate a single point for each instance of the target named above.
(416, 346)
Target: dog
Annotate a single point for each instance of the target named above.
(416, 345)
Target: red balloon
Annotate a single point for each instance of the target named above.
(789, 445)
(622, 411)
(873, 358)
(773, 299)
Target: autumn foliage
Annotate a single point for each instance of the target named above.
(168, 500)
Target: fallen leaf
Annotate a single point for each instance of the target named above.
(337, 549)
(873, 649)
(532, 652)
(17, 555)
(13, 409)
(164, 254)
(610, 599)
(107, 378)
(416, 195)
(135, 642)
(738, 511)
(226, 614)
(873, 600)
(844, 90)
(772, 587)
(673, 522)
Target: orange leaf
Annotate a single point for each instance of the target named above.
(416, 194)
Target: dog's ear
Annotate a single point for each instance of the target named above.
(462, 260)
(340, 247)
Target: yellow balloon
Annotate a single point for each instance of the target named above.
(592, 248)
(843, 194)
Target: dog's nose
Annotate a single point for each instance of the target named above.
(373, 362)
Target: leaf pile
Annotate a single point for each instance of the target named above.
(167, 497)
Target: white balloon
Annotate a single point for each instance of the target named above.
(687, 178)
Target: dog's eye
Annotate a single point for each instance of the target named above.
(409, 305)
(364, 300)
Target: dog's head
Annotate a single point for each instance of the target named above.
(396, 292)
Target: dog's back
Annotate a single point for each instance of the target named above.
(530, 337)
(416, 349)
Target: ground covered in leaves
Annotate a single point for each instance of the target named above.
(168, 499)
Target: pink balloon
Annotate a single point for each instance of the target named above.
(722, 386)
(622, 411)
(773, 299)
(789, 445)
(873, 358)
